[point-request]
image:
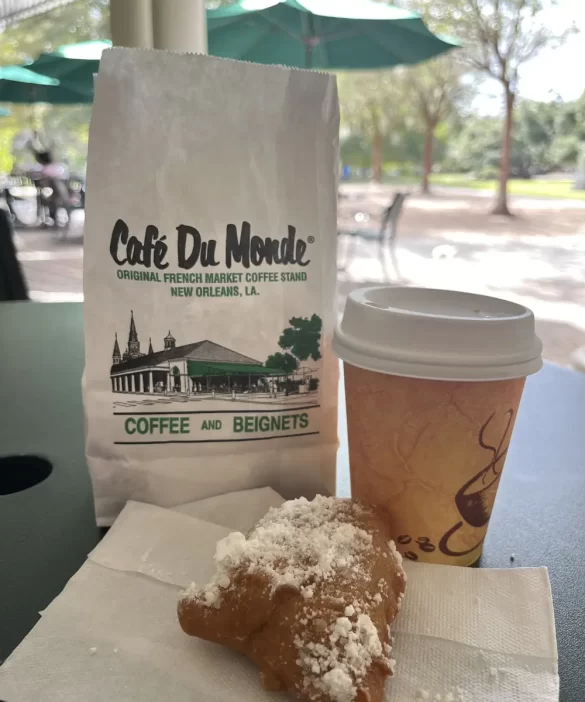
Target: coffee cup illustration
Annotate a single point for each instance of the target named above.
(475, 498)
(433, 381)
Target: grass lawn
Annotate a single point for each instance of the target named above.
(541, 188)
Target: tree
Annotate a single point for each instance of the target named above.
(580, 178)
(546, 136)
(82, 20)
(285, 362)
(565, 151)
(534, 126)
(303, 338)
(23, 41)
(476, 149)
(499, 37)
(570, 119)
(371, 108)
(300, 341)
(433, 87)
(402, 148)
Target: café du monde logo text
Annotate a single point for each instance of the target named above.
(241, 247)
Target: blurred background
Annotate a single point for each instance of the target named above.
(466, 170)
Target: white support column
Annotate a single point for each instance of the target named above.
(132, 382)
(179, 25)
(140, 382)
(169, 382)
(131, 23)
(125, 383)
(150, 383)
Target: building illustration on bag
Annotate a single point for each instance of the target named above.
(204, 369)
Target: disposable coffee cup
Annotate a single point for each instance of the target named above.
(433, 381)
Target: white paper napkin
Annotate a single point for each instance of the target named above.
(463, 635)
(238, 511)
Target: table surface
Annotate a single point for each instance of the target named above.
(47, 531)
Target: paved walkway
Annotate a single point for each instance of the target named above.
(450, 240)
(53, 262)
(447, 241)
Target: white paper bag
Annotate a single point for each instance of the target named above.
(209, 280)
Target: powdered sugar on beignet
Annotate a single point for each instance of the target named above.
(308, 596)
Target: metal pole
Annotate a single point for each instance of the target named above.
(131, 23)
(309, 40)
(179, 25)
(308, 55)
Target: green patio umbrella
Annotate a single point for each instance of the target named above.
(21, 85)
(20, 74)
(323, 34)
(73, 64)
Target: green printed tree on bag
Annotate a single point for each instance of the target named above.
(282, 361)
(300, 341)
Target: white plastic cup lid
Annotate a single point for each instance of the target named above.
(437, 335)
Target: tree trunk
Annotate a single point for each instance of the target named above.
(501, 207)
(427, 163)
(377, 154)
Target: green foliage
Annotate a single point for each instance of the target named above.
(566, 150)
(499, 36)
(401, 150)
(476, 147)
(355, 151)
(581, 161)
(397, 106)
(559, 189)
(546, 136)
(303, 337)
(370, 102)
(401, 105)
(7, 134)
(79, 21)
(66, 126)
(570, 119)
(285, 362)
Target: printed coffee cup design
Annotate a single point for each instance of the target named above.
(433, 383)
(473, 499)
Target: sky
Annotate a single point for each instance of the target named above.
(554, 72)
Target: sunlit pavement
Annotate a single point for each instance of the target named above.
(546, 276)
(448, 240)
(52, 261)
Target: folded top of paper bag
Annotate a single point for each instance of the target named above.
(464, 635)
